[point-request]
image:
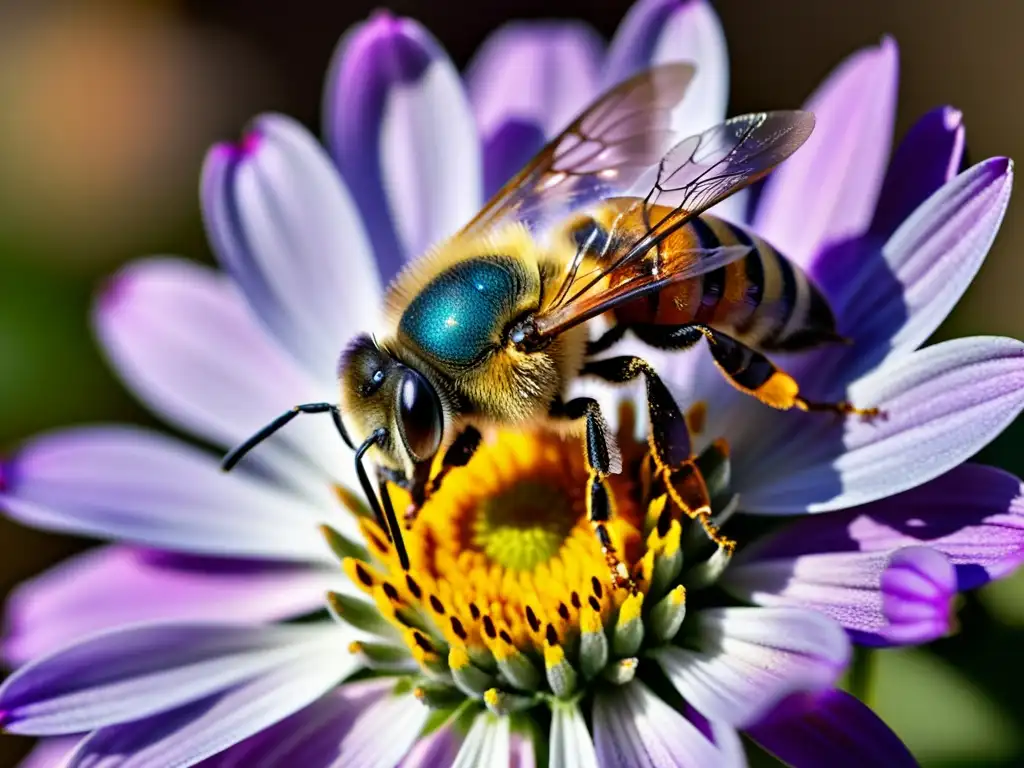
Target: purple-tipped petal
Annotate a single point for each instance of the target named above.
(827, 191)
(127, 674)
(833, 729)
(202, 728)
(527, 81)
(927, 157)
(186, 342)
(521, 751)
(120, 585)
(283, 224)
(438, 750)
(129, 483)
(633, 727)
(974, 514)
(749, 659)
(359, 724)
(660, 31)
(400, 128)
(891, 299)
(940, 405)
(918, 587)
(932, 257)
(883, 598)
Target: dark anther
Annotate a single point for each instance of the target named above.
(414, 588)
(437, 605)
(531, 617)
(596, 584)
(458, 629)
(391, 592)
(551, 635)
(363, 575)
(489, 628)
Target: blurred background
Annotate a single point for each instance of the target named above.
(108, 107)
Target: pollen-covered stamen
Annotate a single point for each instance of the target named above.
(509, 599)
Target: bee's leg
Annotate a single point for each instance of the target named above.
(746, 369)
(670, 443)
(600, 464)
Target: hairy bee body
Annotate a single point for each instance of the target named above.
(448, 316)
(492, 327)
(762, 300)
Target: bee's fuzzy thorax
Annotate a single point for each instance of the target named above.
(513, 240)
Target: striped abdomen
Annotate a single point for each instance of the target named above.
(761, 300)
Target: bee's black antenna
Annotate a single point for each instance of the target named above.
(386, 518)
(239, 453)
(390, 527)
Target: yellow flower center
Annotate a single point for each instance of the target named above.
(509, 592)
(524, 526)
(502, 553)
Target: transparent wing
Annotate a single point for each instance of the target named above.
(693, 176)
(602, 153)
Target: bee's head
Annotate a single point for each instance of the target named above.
(379, 392)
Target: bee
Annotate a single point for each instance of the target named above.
(492, 326)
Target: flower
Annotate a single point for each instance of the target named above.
(165, 648)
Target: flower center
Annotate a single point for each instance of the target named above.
(509, 592)
(524, 526)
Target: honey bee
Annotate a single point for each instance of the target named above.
(492, 326)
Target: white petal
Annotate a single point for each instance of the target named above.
(134, 672)
(383, 734)
(186, 342)
(634, 727)
(132, 484)
(430, 157)
(188, 735)
(113, 586)
(942, 404)
(488, 743)
(751, 658)
(694, 33)
(284, 225)
(570, 744)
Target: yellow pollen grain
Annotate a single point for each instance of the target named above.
(503, 651)
(678, 595)
(553, 655)
(590, 620)
(630, 610)
(458, 657)
(355, 647)
(492, 698)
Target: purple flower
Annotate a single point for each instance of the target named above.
(163, 649)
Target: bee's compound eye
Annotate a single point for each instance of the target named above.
(419, 415)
